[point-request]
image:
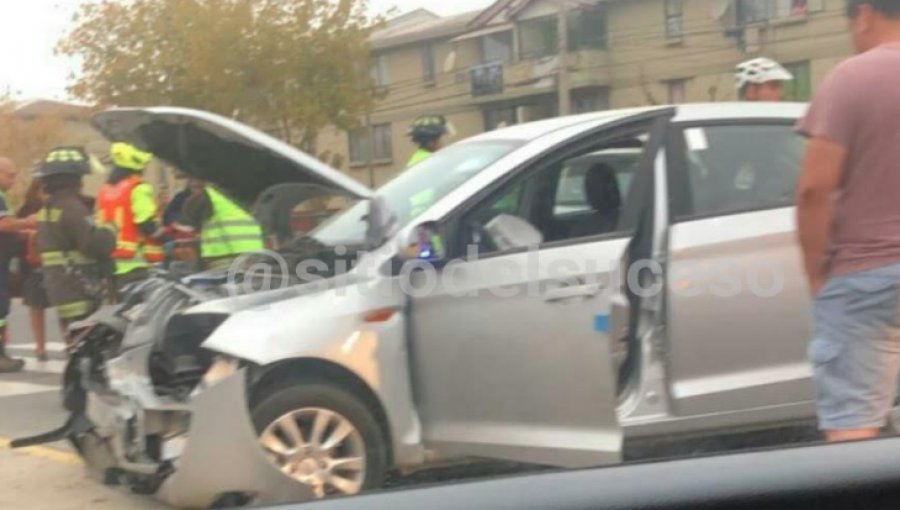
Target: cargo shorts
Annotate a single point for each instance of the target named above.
(855, 351)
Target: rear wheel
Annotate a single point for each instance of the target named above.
(322, 436)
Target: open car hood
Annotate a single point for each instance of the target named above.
(239, 160)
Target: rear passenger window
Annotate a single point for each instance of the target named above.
(734, 169)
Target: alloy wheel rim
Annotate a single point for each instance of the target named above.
(317, 447)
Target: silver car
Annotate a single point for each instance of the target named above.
(548, 294)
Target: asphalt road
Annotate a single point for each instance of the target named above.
(48, 476)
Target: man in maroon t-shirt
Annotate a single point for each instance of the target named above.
(848, 216)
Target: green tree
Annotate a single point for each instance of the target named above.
(290, 67)
(25, 140)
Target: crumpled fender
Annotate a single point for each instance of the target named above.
(331, 325)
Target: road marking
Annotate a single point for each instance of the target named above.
(52, 366)
(43, 452)
(15, 388)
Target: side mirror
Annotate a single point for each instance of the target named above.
(424, 243)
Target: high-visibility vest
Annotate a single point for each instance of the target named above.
(114, 207)
(418, 156)
(230, 230)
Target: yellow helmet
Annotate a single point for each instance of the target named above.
(124, 155)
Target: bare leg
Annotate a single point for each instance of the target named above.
(840, 436)
(39, 331)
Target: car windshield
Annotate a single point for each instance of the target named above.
(417, 188)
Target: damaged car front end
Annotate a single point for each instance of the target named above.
(150, 407)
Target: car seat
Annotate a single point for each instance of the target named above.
(601, 189)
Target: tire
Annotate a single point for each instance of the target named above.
(301, 398)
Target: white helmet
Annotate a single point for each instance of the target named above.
(760, 70)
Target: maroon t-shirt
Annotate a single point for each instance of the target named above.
(858, 106)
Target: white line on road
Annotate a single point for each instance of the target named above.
(13, 388)
(52, 366)
(21, 349)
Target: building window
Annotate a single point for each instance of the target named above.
(487, 79)
(587, 28)
(495, 118)
(674, 19)
(379, 70)
(539, 37)
(800, 88)
(359, 144)
(497, 47)
(428, 72)
(756, 11)
(677, 90)
(590, 99)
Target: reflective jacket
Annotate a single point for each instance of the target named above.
(119, 205)
(73, 252)
(229, 231)
(418, 156)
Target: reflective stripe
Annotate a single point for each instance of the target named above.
(64, 155)
(58, 258)
(74, 309)
(230, 231)
(237, 224)
(2, 323)
(232, 239)
(49, 215)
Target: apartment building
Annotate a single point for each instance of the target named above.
(504, 65)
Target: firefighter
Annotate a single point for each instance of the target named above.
(75, 253)
(128, 203)
(226, 229)
(428, 133)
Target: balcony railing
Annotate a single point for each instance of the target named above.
(487, 79)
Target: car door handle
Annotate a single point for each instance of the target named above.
(568, 292)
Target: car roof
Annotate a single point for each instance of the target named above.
(692, 112)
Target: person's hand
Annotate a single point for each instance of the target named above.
(31, 222)
(815, 285)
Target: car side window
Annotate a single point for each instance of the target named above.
(581, 196)
(741, 168)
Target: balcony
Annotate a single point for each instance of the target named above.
(487, 79)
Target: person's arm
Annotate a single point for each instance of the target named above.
(830, 124)
(91, 241)
(196, 211)
(12, 225)
(144, 207)
(9, 224)
(820, 178)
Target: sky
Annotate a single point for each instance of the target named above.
(29, 32)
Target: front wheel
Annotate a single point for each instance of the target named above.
(322, 436)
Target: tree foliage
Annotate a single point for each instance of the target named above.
(26, 139)
(290, 67)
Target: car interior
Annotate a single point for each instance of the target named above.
(581, 196)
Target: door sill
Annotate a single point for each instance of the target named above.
(697, 444)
